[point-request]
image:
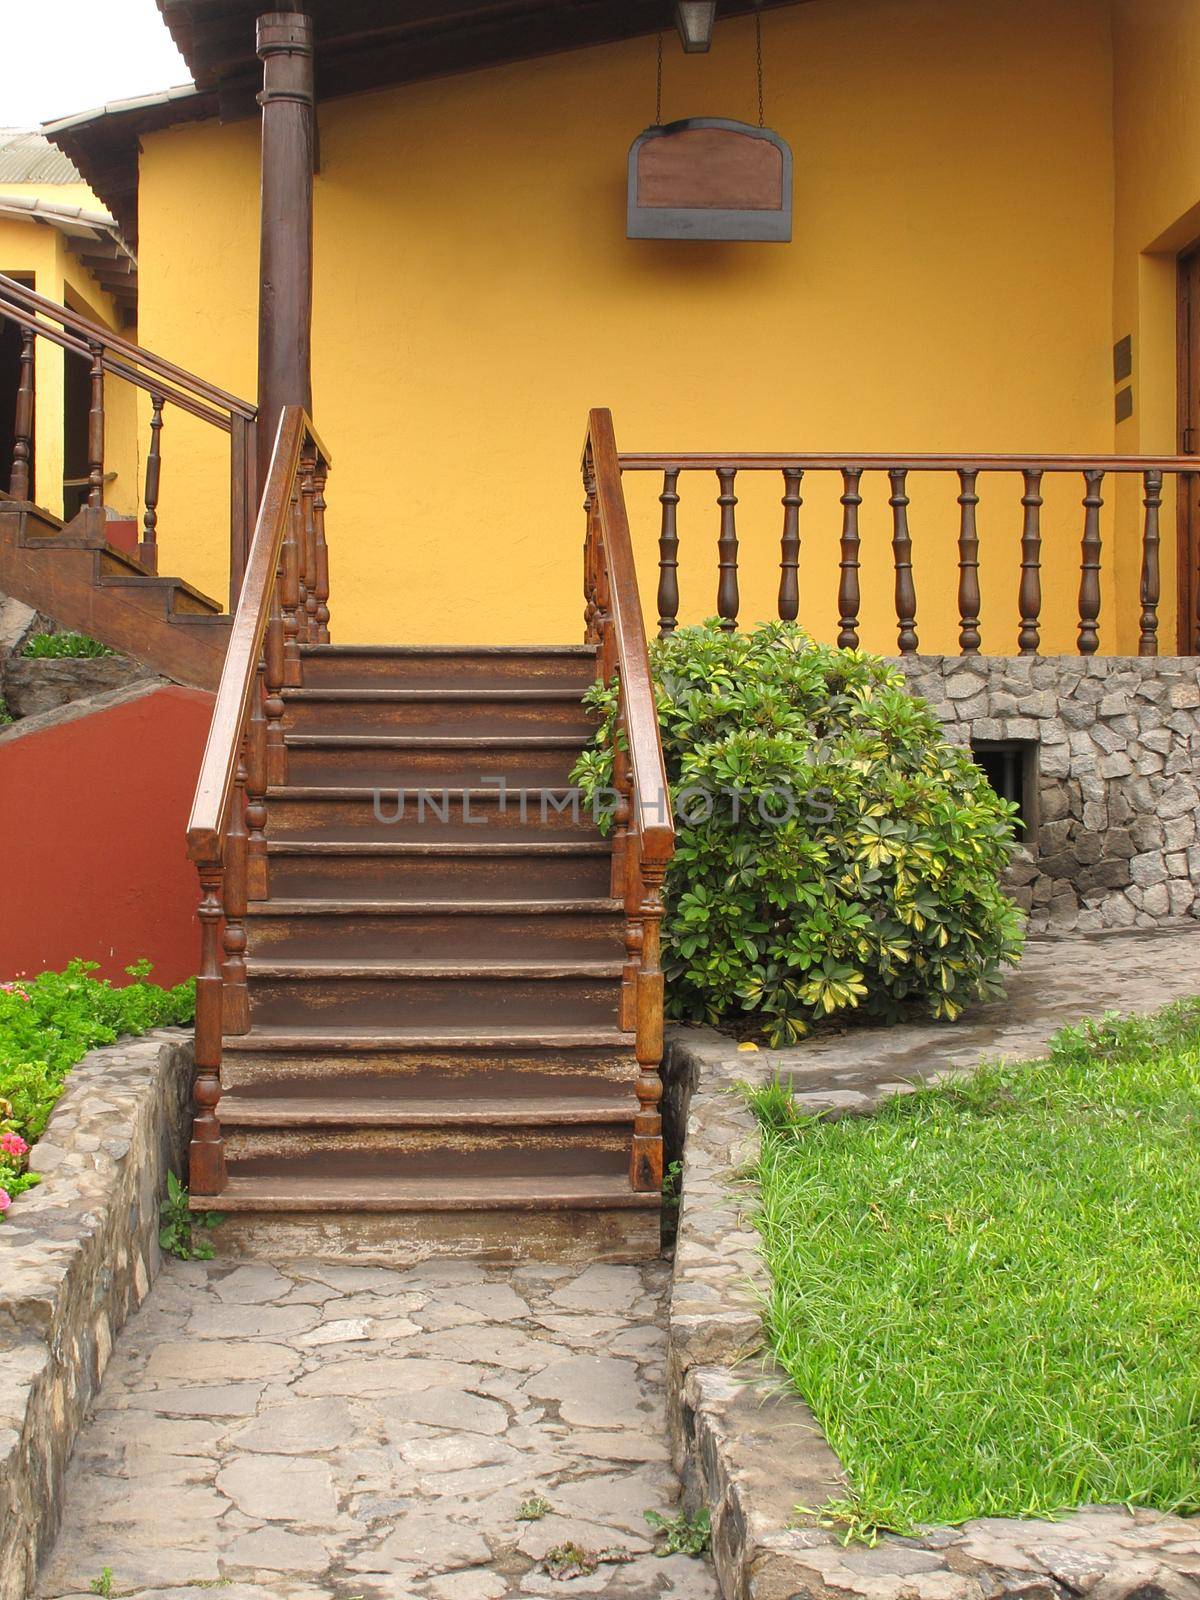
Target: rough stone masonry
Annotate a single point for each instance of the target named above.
(1112, 842)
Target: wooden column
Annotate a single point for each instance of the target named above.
(20, 483)
(285, 49)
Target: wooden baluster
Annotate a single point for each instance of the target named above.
(206, 1154)
(727, 552)
(849, 598)
(1148, 643)
(322, 586)
(289, 594)
(622, 811)
(308, 525)
(630, 896)
(1030, 598)
(906, 594)
(273, 679)
(646, 1172)
(257, 876)
(235, 1001)
(148, 548)
(668, 553)
(968, 564)
(1089, 566)
(96, 429)
(19, 485)
(591, 607)
(789, 546)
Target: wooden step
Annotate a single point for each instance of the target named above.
(526, 866)
(487, 712)
(397, 929)
(459, 1063)
(379, 1107)
(379, 1149)
(585, 1191)
(463, 761)
(344, 812)
(447, 666)
(486, 993)
(92, 587)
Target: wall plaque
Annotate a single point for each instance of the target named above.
(708, 178)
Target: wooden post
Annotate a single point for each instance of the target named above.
(206, 1157)
(148, 549)
(322, 583)
(969, 638)
(727, 552)
(789, 546)
(668, 555)
(849, 597)
(1030, 594)
(646, 1163)
(1148, 642)
(906, 594)
(20, 486)
(285, 48)
(1089, 565)
(95, 497)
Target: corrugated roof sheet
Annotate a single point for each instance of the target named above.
(27, 157)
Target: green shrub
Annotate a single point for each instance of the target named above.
(6, 716)
(852, 858)
(50, 1022)
(57, 646)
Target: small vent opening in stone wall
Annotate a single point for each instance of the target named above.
(1011, 767)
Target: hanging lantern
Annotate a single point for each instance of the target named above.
(694, 19)
(709, 178)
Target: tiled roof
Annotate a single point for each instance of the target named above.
(27, 157)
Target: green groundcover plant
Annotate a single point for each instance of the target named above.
(50, 1022)
(59, 646)
(834, 851)
(989, 1291)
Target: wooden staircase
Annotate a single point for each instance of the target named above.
(435, 1058)
(72, 573)
(429, 1007)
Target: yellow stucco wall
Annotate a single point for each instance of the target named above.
(949, 287)
(37, 250)
(1157, 216)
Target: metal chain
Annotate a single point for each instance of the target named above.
(658, 85)
(759, 51)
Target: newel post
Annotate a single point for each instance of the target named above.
(285, 48)
(647, 1157)
(206, 1159)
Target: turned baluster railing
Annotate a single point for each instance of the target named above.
(108, 355)
(245, 754)
(899, 478)
(643, 834)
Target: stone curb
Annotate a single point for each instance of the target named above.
(751, 1452)
(77, 1255)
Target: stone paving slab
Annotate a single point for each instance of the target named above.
(318, 1430)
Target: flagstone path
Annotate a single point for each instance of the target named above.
(339, 1431)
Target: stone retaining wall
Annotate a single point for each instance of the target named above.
(1118, 781)
(77, 1255)
(744, 1444)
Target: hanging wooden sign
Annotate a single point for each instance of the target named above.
(708, 178)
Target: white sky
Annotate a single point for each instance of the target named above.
(62, 56)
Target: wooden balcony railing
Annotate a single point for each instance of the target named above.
(849, 472)
(165, 383)
(283, 605)
(644, 835)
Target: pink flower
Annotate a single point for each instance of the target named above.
(5, 1201)
(13, 1145)
(15, 988)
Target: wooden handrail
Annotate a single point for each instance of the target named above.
(107, 353)
(641, 461)
(898, 468)
(644, 834)
(16, 292)
(282, 606)
(214, 788)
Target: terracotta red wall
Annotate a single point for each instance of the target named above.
(93, 813)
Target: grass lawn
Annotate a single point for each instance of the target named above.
(989, 1292)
